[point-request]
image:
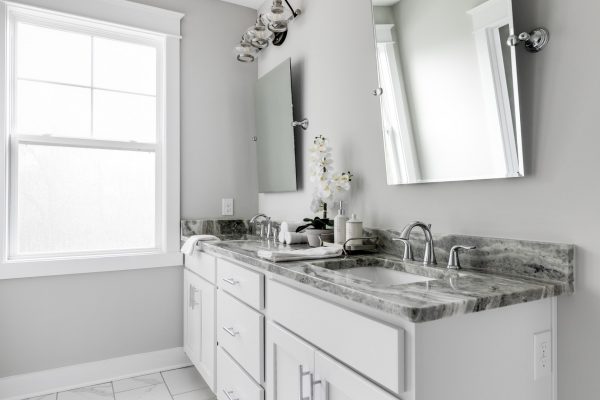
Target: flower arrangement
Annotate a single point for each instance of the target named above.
(328, 182)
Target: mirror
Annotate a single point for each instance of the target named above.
(274, 131)
(448, 90)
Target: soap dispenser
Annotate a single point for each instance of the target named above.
(354, 229)
(339, 225)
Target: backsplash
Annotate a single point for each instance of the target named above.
(224, 228)
(552, 261)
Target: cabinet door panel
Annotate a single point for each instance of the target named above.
(290, 363)
(199, 330)
(338, 382)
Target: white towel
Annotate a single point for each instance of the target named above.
(292, 238)
(190, 244)
(290, 226)
(295, 238)
(296, 255)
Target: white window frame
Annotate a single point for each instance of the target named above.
(164, 36)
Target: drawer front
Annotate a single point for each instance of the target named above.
(370, 347)
(246, 285)
(233, 383)
(240, 331)
(202, 264)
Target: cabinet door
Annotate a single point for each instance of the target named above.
(290, 364)
(334, 381)
(199, 326)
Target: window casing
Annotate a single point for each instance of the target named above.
(102, 141)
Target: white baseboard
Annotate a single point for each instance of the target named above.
(20, 387)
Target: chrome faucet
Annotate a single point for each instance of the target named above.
(429, 258)
(254, 221)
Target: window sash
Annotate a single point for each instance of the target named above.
(97, 30)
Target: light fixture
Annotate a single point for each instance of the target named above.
(271, 27)
(279, 17)
(261, 36)
(246, 52)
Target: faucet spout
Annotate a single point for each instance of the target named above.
(429, 258)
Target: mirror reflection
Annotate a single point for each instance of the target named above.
(448, 90)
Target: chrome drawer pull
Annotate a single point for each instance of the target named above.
(231, 281)
(230, 394)
(302, 375)
(231, 331)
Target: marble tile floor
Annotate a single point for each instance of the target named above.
(177, 384)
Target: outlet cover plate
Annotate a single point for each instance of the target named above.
(542, 355)
(227, 207)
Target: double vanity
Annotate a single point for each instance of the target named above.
(376, 326)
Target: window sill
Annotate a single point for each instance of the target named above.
(86, 265)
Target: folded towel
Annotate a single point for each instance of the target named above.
(290, 226)
(190, 244)
(295, 255)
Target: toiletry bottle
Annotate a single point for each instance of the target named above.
(354, 229)
(339, 225)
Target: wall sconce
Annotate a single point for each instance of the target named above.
(271, 27)
(533, 41)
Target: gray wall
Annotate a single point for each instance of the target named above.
(58, 321)
(558, 200)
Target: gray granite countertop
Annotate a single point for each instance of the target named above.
(449, 292)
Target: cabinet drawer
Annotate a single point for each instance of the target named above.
(246, 285)
(240, 331)
(370, 347)
(233, 382)
(202, 264)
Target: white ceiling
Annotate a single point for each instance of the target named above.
(247, 3)
(257, 3)
(384, 2)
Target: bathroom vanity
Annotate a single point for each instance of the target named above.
(372, 327)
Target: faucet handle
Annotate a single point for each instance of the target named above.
(408, 254)
(454, 261)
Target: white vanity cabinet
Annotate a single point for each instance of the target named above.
(199, 317)
(296, 370)
(273, 338)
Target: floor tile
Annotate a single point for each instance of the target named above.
(202, 394)
(46, 397)
(156, 392)
(98, 392)
(183, 380)
(137, 382)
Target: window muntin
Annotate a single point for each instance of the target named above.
(86, 136)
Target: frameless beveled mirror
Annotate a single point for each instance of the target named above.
(274, 131)
(448, 90)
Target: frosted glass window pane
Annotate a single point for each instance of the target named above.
(124, 117)
(79, 200)
(49, 109)
(53, 55)
(124, 66)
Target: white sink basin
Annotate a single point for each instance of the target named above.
(384, 276)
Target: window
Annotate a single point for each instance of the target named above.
(86, 132)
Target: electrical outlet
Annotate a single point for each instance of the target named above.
(227, 207)
(542, 355)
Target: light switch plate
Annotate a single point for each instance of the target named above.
(542, 355)
(227, 207)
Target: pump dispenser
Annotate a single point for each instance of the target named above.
(339, 225)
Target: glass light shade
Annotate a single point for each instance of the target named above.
(259, 34)
(246, 52)
(279, 17)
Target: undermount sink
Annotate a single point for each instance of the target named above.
(379, 275)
